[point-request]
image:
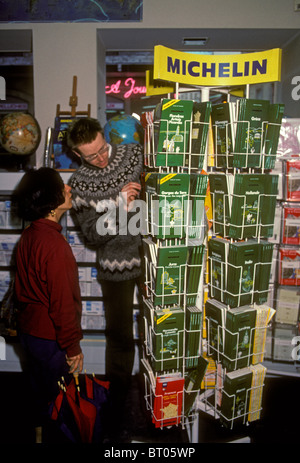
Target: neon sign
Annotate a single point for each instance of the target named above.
(128, 88)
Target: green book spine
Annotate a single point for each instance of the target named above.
(217, 253)
(220, 197)
(192, 384)
(193, 328)
(275, 116)
(194, 272)
(236, 397)
(262, 279)
(268, 206)
(239, 336)
(222, 123)
(199, 132)
(215, 313)
(198, 188)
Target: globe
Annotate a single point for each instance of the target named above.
(123, 129)
(20, 133)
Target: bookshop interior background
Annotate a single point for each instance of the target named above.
(125, 84)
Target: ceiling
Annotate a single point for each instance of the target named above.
(217, 39)
(124, 39)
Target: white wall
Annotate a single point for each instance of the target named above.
(290, 69)
(61, 51)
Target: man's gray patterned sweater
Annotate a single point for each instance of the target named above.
(96, 191)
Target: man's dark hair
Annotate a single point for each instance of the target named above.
(38, 193)
(83, 131)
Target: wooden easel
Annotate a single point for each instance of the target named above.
(73, 103)
(73, 113)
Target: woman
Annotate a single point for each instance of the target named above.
(47, 286)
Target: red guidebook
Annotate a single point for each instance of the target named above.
(168, 397)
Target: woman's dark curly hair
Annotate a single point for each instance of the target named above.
(38, 193)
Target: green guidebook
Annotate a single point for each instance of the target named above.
(239, 337)
(264, 271)
(172, 122)
(215, 313)
(252, 116)
(275, 116)
(150, 249)
(217, 261)
(221, 188)
(168, 205)
(167, 338)
(192, 383)
(268, 206)
(242, 269)
(170, 275)
(223, 124)
(193, 323)
(194, 272)
(197, 195)
(236, 397)
(253, 205)
(199, 132)
(150, 193)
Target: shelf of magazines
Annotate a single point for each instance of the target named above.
(236, 397)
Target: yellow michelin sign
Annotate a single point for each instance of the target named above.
(154, 88)
(216, 70)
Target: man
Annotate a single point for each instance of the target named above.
(103, 189)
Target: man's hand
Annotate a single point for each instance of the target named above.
(130, 192)
(75, 363)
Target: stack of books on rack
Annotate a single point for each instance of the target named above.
(243, 204)
(237, 313)
(237, 337)
(165, 337)
(239, 271)
(242, 395)
(176, 134)
(246, 133)
(175, 204)
(175, 190)
(164, 396)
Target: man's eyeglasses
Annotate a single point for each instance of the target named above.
(102, 150)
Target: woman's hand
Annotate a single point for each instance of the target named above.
(75, 363)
